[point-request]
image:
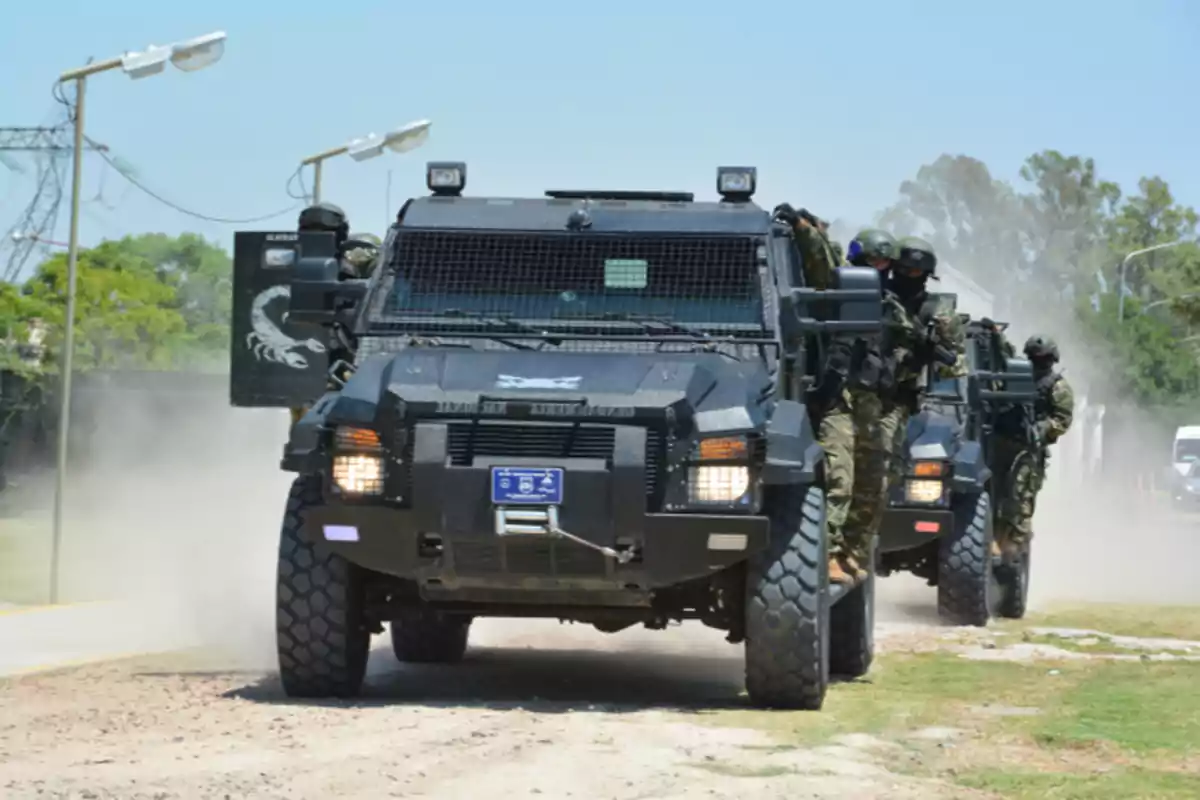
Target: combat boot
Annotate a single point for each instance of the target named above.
(854, 565)
(1011, 552)
(839, 572)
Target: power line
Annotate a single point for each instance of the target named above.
(58, 93)
(125, 173)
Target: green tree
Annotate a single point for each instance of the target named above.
(974, 221)
(1065, 215)
(1045, 242)
(148, 301)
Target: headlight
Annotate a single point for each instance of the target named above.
(920, 491)
(360, 439)
(358, 461)
(717, 484)
(358, 474)
(725, 448)
(736, 183)
(446, 177)
(929, 469)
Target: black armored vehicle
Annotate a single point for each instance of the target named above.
(939, 521)
(589, 406)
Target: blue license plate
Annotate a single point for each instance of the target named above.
(529, 485)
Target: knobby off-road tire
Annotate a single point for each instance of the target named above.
(852, 628)
(787, 605)
(1014, 589)
(320, 632)
(965, 581)
(422, 636)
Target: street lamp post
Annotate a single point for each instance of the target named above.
(1125, 263)
(189, 56)
(33, 237)
(401, 140)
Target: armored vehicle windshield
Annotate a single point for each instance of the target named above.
(571, 271)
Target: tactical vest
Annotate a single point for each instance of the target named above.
(1043, 405)
(901, 357)
(868, 368)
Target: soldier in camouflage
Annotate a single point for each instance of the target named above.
(849, 407)
(817, 253)
(1021, 463)
(920, 336)
(362, 252)
(850, 432)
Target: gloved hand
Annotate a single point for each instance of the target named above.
(785, 213)
(833, 381)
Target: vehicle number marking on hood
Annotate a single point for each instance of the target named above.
(517, 382)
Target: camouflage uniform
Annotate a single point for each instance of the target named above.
(359, 261)
(849, 430)
(916, 325)
(1021, 464)
(818, 255)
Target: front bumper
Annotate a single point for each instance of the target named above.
(444, 535)
(909, 527)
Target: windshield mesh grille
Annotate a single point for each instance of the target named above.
(704, 281)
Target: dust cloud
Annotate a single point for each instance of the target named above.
(173, 507)
(1102, 534)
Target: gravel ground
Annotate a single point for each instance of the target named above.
(536, 710)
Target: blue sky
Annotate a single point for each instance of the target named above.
(836, 103)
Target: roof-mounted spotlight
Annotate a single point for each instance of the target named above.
(446, 178)
(736, 184)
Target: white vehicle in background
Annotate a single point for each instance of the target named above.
(1185, 464)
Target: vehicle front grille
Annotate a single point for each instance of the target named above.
(468, 440)
(545, 558)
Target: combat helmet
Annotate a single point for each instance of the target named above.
(869, 244)
(365, 240)
(324, 217)
(1041, 348)
(916, 257)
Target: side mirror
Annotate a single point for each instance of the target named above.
(317, 293)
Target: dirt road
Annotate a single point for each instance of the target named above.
(537, 710)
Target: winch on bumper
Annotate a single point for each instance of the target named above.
(483, 507)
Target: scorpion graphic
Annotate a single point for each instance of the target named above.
(267, 341)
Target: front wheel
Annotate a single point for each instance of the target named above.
(787, 605)
(1014, 587)
(965, 579)
(320, 631)
(852, 628)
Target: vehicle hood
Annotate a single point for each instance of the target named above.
(714, 392)
(933, 434)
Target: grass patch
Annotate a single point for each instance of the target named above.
(1169, 622)
(1115, 785)
(904, 693)
(1142, 708)
(24, 560)
(732, 770)
(1101, 728)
